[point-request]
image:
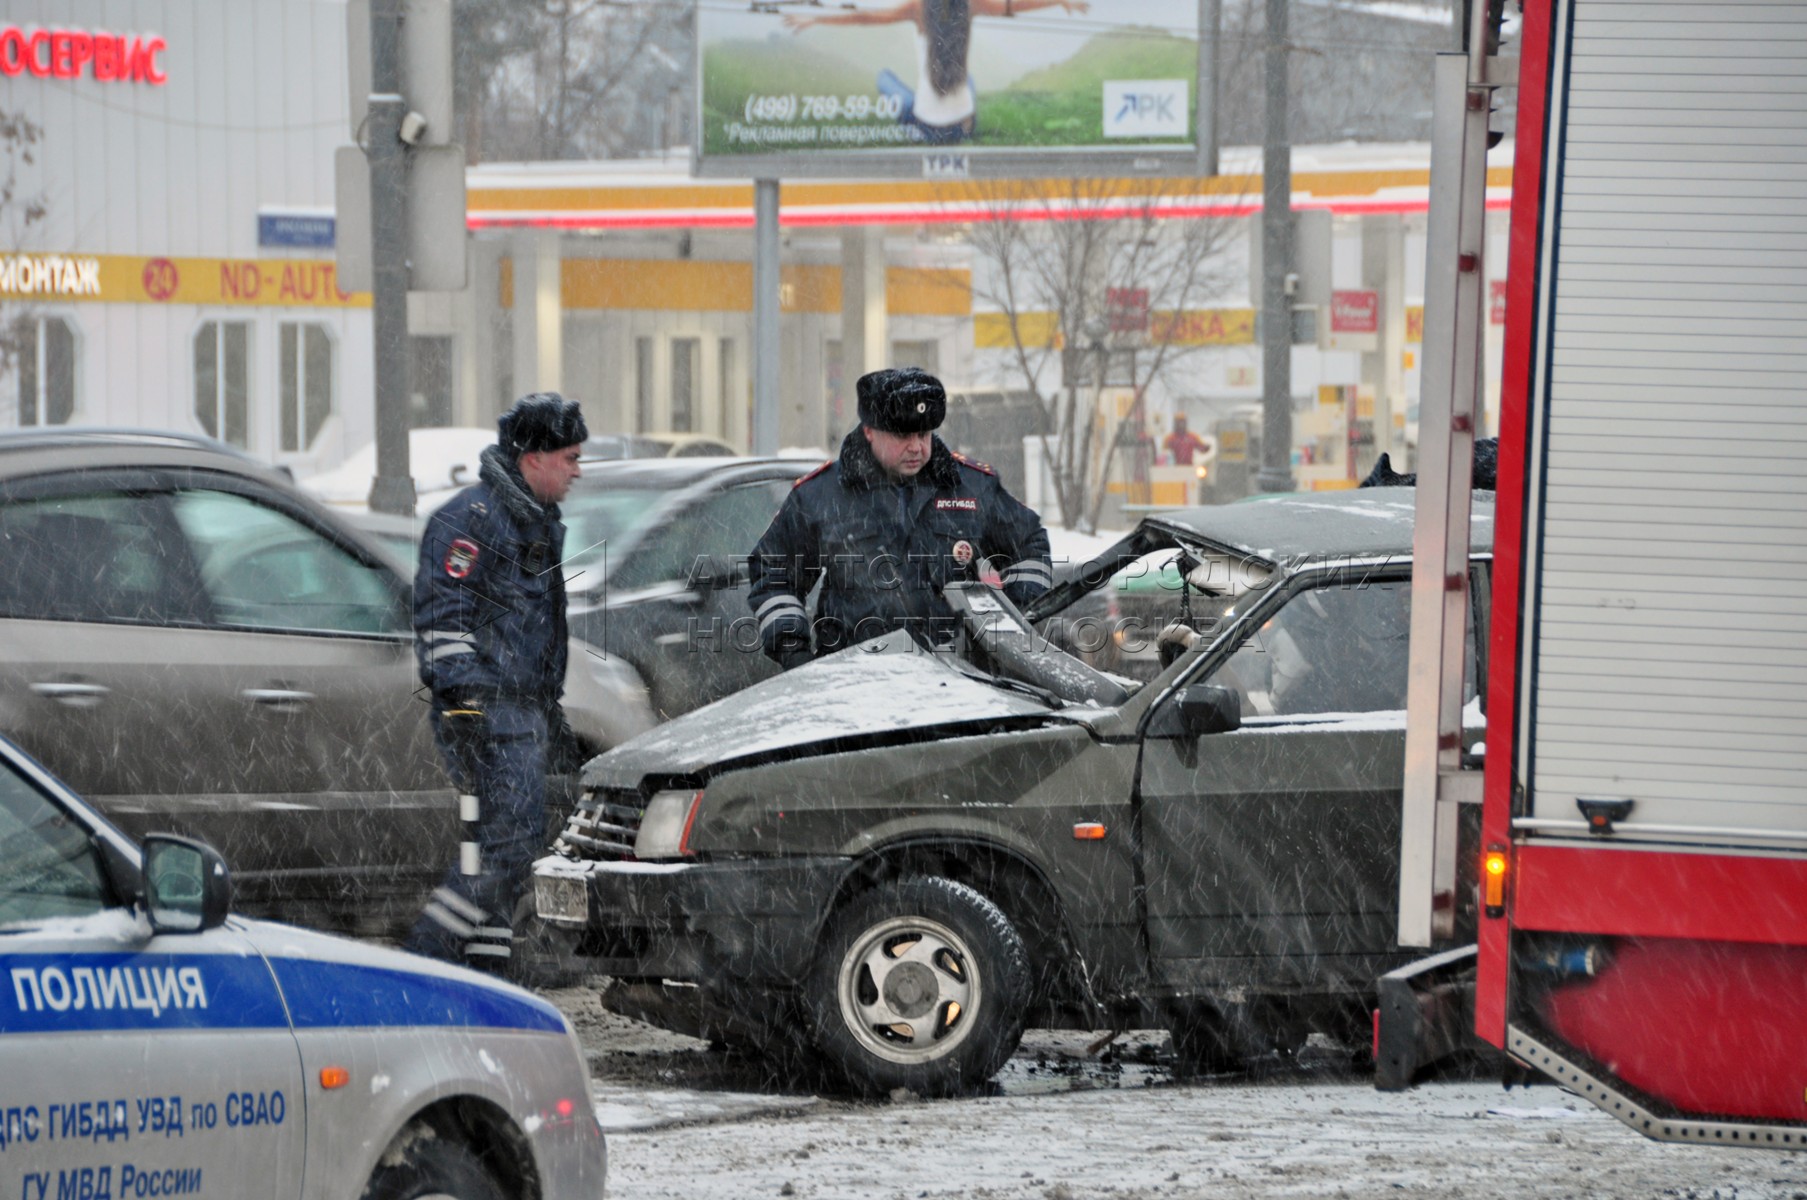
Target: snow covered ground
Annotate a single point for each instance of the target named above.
(1273, 1138)
(687, 1122)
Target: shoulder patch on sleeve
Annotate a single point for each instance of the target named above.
(974, 463)
(806, 478)
(460, 558)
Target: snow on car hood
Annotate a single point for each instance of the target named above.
(880, 687)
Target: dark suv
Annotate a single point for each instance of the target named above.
(199, 647)
(655, 565)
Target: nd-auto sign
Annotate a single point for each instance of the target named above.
(130, 279)
(82, 53)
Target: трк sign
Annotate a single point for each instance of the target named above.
(74, 53)
(945, 166)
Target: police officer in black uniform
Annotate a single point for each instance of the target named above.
(895, 517)
(489, 630)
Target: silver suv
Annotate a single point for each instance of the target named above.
(198, 647)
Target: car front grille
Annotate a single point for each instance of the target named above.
(603, 825)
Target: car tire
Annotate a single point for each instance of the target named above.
(921, 984)
(421, 1164)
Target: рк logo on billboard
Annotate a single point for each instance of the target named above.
(1146, 108)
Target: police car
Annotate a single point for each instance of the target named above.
(152, 1044)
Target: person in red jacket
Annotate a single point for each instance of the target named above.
(1182, 443)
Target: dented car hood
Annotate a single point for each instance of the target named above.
(878, 689)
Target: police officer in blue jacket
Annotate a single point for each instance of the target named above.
(489, 638)
(884, 526)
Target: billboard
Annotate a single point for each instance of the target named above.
(947, 87)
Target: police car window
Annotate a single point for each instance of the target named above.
(48, 866)
(265, 570)
(97, 557)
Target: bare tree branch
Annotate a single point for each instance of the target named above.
(21, 210)
(1049, 261)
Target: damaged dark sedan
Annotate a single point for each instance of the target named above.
(898, 857)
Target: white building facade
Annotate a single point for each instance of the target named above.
(181, 275)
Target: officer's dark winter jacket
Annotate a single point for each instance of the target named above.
(883, 550)
(489, 597)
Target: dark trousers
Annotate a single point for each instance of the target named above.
(498, 765)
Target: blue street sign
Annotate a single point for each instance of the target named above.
(306, 230)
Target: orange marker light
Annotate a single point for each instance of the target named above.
(1088, 831)
(334, 1077)
(1493, 882)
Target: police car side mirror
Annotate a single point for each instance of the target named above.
(1197, 710)
(187, 888)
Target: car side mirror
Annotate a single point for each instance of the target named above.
(187, 888)
(1197, 710)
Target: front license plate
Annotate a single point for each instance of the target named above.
(558, 898)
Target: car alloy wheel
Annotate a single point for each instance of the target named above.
(921, 986)
(906, 988)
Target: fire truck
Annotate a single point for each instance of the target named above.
(1643, 793)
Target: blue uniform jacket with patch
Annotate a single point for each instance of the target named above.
(883, 550)
(489, 597)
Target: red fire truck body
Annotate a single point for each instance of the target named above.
(1644, 802)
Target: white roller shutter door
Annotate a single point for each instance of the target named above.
(1669, 556)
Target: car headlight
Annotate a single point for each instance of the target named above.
(665, 829)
